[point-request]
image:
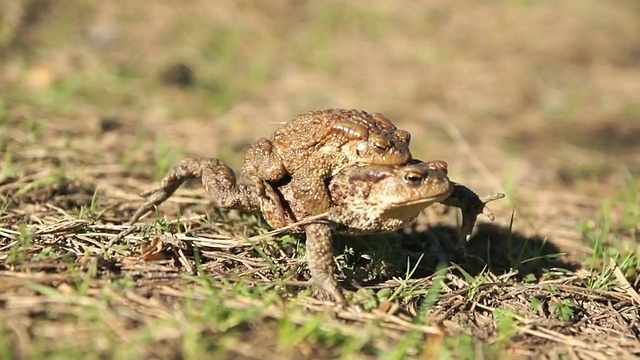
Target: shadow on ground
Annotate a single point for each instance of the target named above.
(374, 259)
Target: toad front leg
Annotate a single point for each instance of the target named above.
(217, 178)
(308, 184)
(320, 259)
(471, 206)
(469, 203)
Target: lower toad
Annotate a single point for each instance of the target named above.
(365, 199)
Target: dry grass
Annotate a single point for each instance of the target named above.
(537, 100)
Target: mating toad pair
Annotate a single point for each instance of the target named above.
(352, 166)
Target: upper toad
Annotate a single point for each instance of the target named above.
(317, 145)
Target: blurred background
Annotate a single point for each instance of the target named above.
(527, 97)
(536, 99)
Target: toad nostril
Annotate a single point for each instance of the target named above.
(404, 136)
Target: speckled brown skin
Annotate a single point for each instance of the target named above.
(366, 199)
(316, 145)
(372, 198)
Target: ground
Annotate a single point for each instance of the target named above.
(539, 100)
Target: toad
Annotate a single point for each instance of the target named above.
(315, 146)
(365, 199)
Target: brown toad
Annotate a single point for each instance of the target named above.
(316, 145)
(365, 199)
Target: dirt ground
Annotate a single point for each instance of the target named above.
(537, 100)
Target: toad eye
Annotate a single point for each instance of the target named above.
(380, 145)
(413, 178)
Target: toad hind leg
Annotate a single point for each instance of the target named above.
(261, 165)
(217, 178)
(320, 260)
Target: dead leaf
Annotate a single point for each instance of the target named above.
(153, 251)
